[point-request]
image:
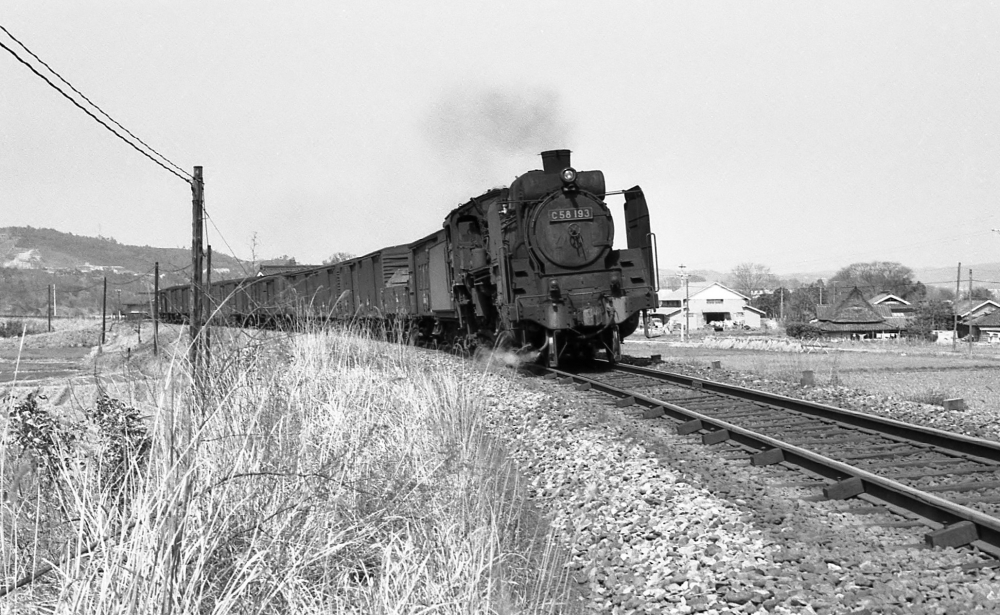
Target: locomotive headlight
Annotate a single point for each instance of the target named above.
(554, 291)
(568, 175)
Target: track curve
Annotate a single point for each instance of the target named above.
(951, 482)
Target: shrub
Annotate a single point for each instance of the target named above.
(802, 330)
(125, 443)
(15, 327)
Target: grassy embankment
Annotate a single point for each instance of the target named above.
(324, 473)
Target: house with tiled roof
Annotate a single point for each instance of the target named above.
(969, 310)
(986, 328)
(856, 318)
(708, 305)
(897, 305)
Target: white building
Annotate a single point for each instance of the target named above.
(706, 305)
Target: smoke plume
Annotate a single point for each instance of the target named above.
(489, 134)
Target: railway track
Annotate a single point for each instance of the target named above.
(946, 481)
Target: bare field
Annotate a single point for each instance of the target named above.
(925, 373)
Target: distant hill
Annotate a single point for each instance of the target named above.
(31, 259)
(984, 274)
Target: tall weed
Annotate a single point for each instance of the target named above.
(318, 472)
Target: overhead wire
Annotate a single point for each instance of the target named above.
(229, 247)
(186, 178)
(92, 103)
(176, 170)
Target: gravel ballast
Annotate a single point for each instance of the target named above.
(658, 523)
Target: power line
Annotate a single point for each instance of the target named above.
(92, 103)
(186, 180)
(222, 237)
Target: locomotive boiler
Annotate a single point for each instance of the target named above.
(531, 267)
(534, 264)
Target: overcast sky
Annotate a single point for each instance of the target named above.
(800, 135)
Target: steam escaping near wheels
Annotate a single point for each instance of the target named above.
(506, 356)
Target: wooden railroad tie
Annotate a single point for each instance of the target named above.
(956, 403)
(715, 437)
(768, 457)
(844, 489)
(625, 401)
(653, 413)
(689, 428)
(955, 535)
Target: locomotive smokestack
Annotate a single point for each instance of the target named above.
(555, 160)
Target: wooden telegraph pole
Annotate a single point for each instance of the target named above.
(954, 308)
(197, 307)
(156, 305)
(104, 311)
(969, 334)
(210, 308)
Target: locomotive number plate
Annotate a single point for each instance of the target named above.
(569, 215)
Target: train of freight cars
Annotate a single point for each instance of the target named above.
(530, 267)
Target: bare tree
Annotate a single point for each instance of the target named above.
(877, 277)
(254, 249)
(749, 278)
(337, 257)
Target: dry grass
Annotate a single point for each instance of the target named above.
(322, 473)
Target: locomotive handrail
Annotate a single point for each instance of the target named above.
(656, 263)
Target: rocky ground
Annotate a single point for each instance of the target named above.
(658, 523)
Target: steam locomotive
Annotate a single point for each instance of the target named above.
(530, 267)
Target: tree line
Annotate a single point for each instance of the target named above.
(793, 301)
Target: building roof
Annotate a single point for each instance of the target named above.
(987, 320)
(888, 297)
(889, 324)
(967, 306)
(695, 289)
(853, 309)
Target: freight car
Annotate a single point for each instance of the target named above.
(529, 267)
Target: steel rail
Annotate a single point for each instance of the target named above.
(985, 529)
(959, 443)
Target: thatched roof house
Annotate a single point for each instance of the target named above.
(855, 317)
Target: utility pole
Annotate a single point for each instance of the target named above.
(954, 308)
(50, 307)
(197, 309)
(156, 305)
(969, 334)
(211, 309)
(104, 311)
(687, 311)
